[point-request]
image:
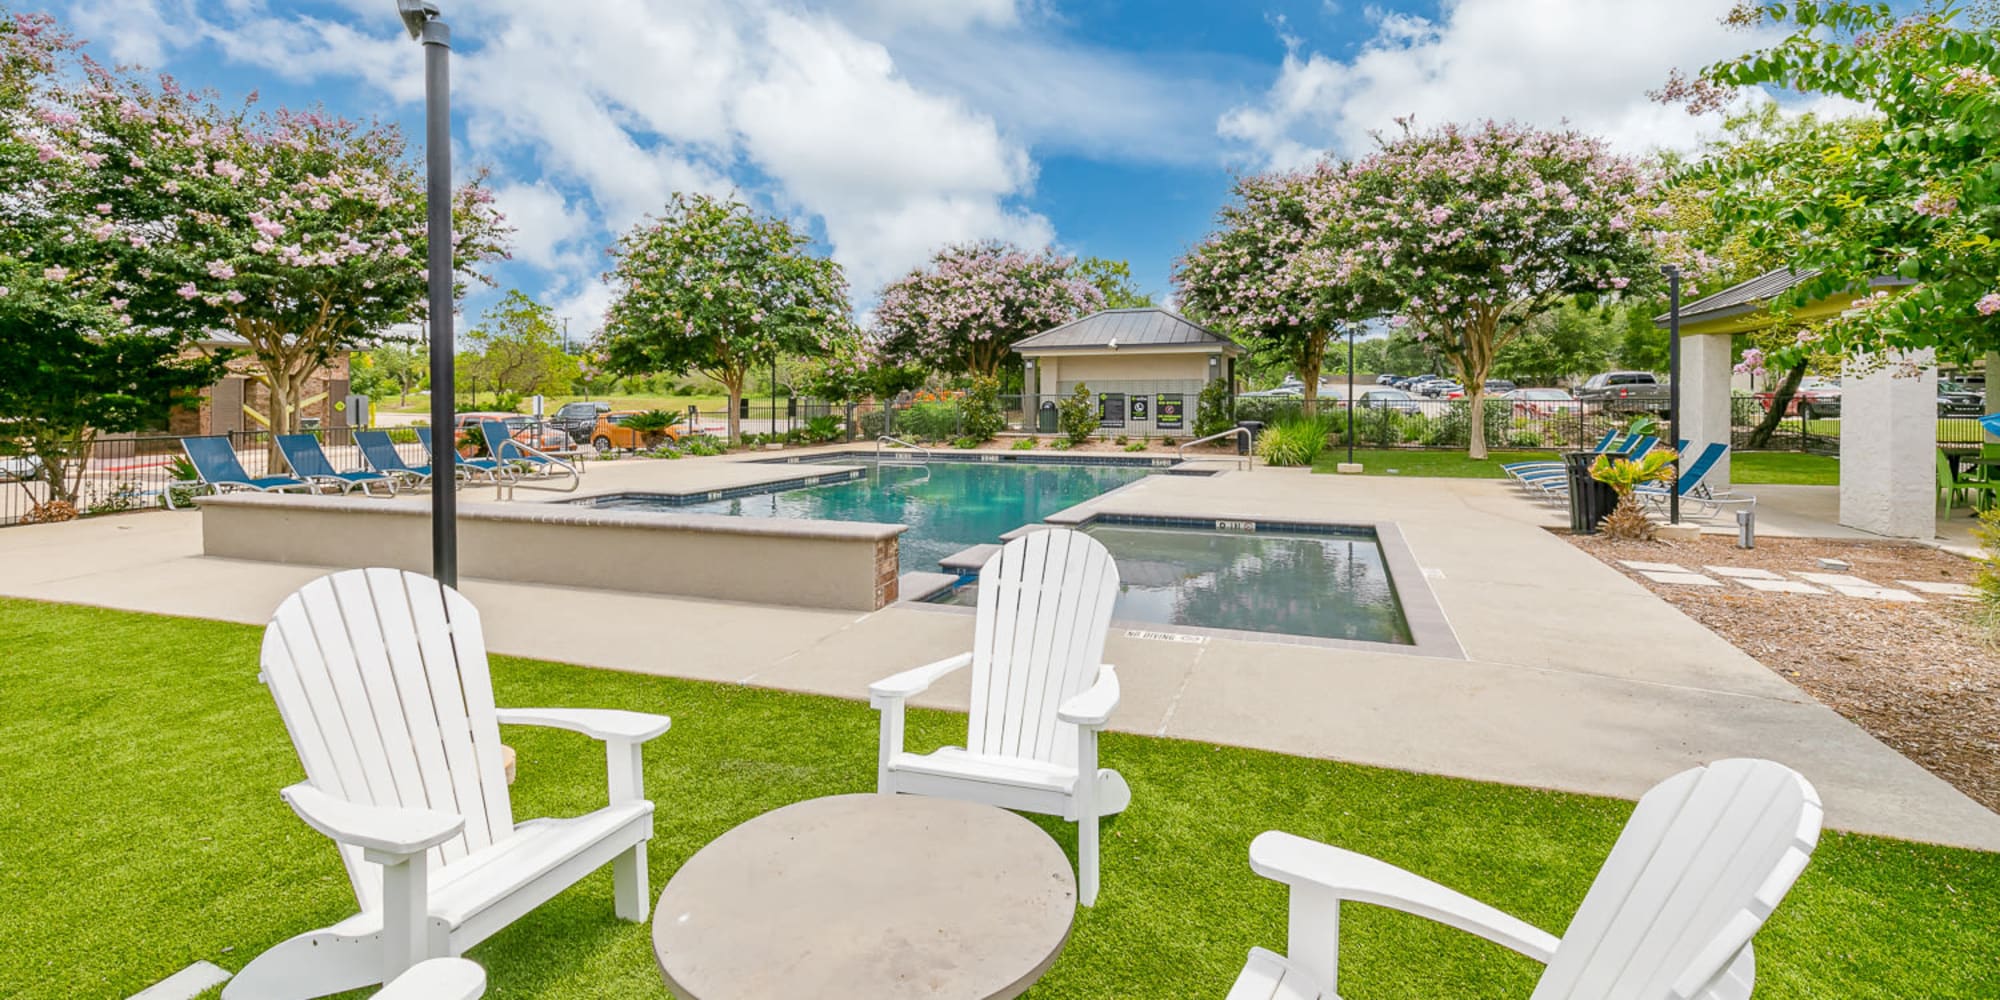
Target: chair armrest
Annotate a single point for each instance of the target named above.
(914, 681)
(1093, 708)
(1297, 861)
(438, 979)
(597, 723)
(383, 829)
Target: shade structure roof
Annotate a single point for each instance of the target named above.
(1149, 327)
(1745, 306)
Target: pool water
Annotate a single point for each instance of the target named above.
(949, 506)
(1329, 586)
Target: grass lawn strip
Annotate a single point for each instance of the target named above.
(1747, 468)
(141, 830)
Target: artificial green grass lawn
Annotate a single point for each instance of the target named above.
(141, 830)
(1746, 467)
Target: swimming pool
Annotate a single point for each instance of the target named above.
(949, 505)
(1328, 583)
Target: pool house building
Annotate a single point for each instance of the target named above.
(1145, 367)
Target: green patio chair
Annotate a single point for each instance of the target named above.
(1950, 486)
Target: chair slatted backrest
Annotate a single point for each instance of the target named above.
(379, 451)
(302, 452)
(1044, 607)
(1705, 858)
(1692, 476)
(500, 441)
(381, 678)
(214, 459)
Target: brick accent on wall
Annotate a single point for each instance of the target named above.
(887, 570)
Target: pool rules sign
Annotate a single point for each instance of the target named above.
(1169, 411)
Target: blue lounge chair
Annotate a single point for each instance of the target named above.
(1541, 463)
(1554, 487)
(1690, 478)
(216, 464)
(379, 451)
(501, 444)
(308, 460)
(485, 468)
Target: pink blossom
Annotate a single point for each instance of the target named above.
(188, 291)
(1989, 305)
(92, 160)
(55, 273)
(220, 270)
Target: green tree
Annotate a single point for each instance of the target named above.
(1919, 199)
(963, 313)
(1113, 278)
(517, 348)
(1570, 340)
(709, 286)
(394, 368)
(72, 363)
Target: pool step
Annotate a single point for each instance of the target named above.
(923, 586)
(968, 560)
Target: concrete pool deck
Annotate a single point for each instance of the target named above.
(1576, 677)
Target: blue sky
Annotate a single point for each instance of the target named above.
(887, 128)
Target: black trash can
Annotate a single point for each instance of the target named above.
(1589, 500)
(1045, 417)
(1245, 445)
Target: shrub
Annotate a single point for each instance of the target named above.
(1268, 409)
(1025, 444)
(930, 420)
(872, 423)
(979, 413)
(1169, 441)
(507, 402)
(1060, 444)
(1136, 446)
(702, 444)
(1077, 416)
(1213, 413)
(966, 442)
(1294, 442)
(820, 430)
(1525, 437)
(1988, 580)
(1121, 440)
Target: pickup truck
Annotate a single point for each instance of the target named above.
(1624, 392)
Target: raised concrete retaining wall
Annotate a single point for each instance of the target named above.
(818, 564)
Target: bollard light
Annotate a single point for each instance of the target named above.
(1746, 529)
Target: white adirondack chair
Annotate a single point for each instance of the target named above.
(438, 979)
(381, 678)
(1703, 861)
(1040, 693)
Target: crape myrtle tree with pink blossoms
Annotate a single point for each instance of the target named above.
(1249, 279)
(300, 232)
(1916, 195)
(964, 312)
(710, 286)
(71, 366)
(1467, 233)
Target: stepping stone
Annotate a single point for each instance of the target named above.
(1838, 564)
(1743, 573)
(1940, 588)
(1652, 567)
(1836, 580)
(1879, 594)
(1681, 579)
(1780, 586)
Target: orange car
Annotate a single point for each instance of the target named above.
(611, 432)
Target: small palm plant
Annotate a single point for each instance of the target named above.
(652, 425)
(1628, 521)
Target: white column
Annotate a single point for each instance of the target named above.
(1707, 361)
(1888, 448)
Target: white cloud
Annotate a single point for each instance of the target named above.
(546, 225)
(951, 15)
(1585, 62)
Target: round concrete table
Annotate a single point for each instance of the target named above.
(871, 897)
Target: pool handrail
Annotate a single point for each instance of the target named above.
(1243, 461)
(913, 447)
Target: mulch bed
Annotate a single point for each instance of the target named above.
(1923, 678)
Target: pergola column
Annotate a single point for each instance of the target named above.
(1888, 447)
(1707, 361)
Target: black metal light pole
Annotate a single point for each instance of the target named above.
(422, 18)
(1673, 274)
(1350, 395)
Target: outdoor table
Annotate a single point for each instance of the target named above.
(870, 897)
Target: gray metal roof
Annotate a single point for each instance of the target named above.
(1148, 327)
(1754, 295)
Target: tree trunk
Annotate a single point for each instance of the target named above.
(1475, 361)
(732, 380)
(1781, 399)
(1310, 360)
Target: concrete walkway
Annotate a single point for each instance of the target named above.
(1577, 678)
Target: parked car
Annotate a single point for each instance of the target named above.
(1961, 399)
(1386, 398)
(522, 429)
(611, 432)
(1539, 402)
(1624, 392)
(579, 420)
(1815, 398)
(19, 468)
(1494, 387)
(1440, 388)
(1386, 379)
